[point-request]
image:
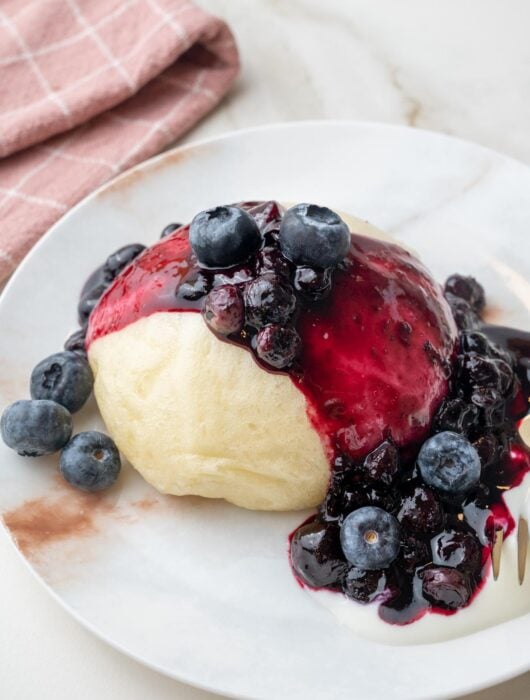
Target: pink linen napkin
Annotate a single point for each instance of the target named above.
(88, 88)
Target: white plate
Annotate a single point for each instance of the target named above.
(200, 590)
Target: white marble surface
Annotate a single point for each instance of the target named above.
(462, 67)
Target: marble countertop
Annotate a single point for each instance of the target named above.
(461, 67)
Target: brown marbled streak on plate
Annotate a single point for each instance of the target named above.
(146, 503)
(42, 521)
(69, 514)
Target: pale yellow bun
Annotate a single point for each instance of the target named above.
(195, 415)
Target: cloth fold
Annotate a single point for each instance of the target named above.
(88, 88)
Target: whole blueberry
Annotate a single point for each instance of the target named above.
(97, 282)
(311, 283)
(223, 310)
(119, 260)
(268, 299)
(382, 464)
(420, 510)
(449, 463)
(314, 236)
(414, 553)
(90, 461)
(463, 313)
(278, 345)
(370, 538)
(76, 342)
(167, 230)
(364, 586)
(224, 236)
(88, 303)
(456, 415)
(467, 288)
(65, 378)
(35, 428)
(460, 550)
(474, 341)
(101, 278)
(316, 555)
(475, 371)
(445, 587)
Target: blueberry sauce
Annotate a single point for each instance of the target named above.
(384, 362)
(376, 351)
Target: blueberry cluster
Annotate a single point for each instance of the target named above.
(96, 285)
(256, 270)
(60, 385)
(413, 528)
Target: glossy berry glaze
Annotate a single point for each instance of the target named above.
(380, 363)
(375, 353)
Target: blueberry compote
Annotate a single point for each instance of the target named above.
(446, 539)
(369, 343)
(385, 363)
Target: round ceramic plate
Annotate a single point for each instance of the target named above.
(202, 590)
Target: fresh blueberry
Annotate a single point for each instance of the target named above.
(312, 284)
(223, 310)
(316, 555)
(76, 342)
(268, 299)
(364, 586)
(224, 236)
(65, 378)
(449, 463)
(35, 428)
(420, 510)
(456, 415)
(119, 260)
(314, 236)
(167, 230)
(445, 587)
(460, 550)
(370, 538)
(90, 461)
(382, 464)
(278, 345)
(467, 288)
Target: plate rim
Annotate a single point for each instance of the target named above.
(121, 179)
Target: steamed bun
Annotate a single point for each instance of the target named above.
(196, 415)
